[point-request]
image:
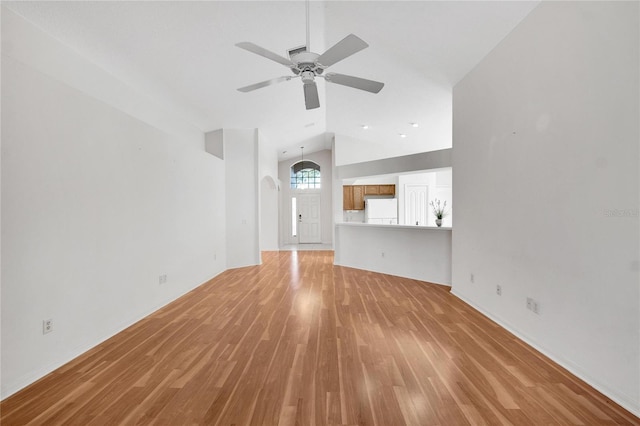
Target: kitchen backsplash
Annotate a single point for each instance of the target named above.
(353, 216)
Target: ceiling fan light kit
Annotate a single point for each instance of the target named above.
(308, 65)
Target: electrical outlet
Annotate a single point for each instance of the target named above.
(47, 326)
(162, 279)
(499, 290)
(535, 307)
(471, 278)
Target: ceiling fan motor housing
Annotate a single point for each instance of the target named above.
(305, 63)
(307, 76)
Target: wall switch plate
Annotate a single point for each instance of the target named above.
(382, 254)
(471, 278)
(499, 290)
(47, 326)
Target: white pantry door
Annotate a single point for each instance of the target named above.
(415, 204)
(308, 218)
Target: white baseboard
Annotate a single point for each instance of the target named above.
(621, 399)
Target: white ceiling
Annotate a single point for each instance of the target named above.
(183, 53)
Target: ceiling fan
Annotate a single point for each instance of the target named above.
(308, 65)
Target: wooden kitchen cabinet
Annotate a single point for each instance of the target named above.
(347, 197)
(380, 190)
(372, 189)
(353, 197)
(387, 190)
(358, 197)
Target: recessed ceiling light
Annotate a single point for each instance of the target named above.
(364, 126)
(402, 135)
(414, 124)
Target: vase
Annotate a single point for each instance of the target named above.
(439, 222)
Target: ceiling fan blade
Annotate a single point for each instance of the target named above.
(254, 48)
(262, 84)
(311, 100)
(355, 82)
(344, 48)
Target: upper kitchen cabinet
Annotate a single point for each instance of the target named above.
(347, 197)
(353, 197)
(358, 197)
(387, 190)
(372, 190)
(380, 190)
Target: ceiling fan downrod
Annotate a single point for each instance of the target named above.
(308, 45)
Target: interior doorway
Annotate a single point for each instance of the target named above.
(415, 204)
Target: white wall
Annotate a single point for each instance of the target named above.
(28, 44)
(242, 203)
(96, 205)
(214, 143)
(375, 180)
(404, 164)
(546, 193)
(405, 251)
(350, 150)
(268, 195)
(324, 159)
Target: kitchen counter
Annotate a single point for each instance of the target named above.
(417, 252)
(433, 228)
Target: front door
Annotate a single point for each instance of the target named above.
(308, 218)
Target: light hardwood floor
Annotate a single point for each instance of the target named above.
(299, 341)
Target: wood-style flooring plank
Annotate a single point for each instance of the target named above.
(298, 341)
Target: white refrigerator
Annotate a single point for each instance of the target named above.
(381, 211)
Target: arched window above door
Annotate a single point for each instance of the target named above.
(305, 175)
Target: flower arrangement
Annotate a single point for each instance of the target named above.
(439, 210)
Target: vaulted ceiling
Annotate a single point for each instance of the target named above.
(183, 52)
